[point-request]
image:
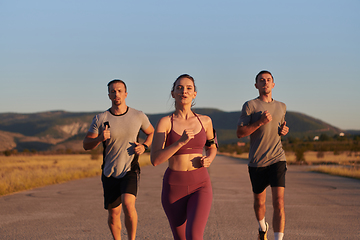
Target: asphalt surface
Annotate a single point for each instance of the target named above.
(317, 206)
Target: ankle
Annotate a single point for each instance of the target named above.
(278, 235)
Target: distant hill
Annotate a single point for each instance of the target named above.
(43, 131)
(65, 130)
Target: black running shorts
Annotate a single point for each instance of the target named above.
(273, 175)
(115, 187)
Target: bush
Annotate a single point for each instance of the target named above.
(320, 154)
(7, 153)
(94, 154)
(299, 153)
(324, 137)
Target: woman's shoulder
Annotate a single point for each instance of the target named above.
(205, 120)
(164, 122)
(205, 117)
(165, 119)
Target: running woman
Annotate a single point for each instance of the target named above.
(180, 139)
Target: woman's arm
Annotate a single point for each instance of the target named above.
(159, 153)
(212, 149)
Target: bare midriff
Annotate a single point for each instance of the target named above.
(185, 162)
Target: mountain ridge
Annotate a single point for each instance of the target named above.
(54, 130)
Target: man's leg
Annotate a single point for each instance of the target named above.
(114, 221)
(279, 209)
(260, 210)
(259, 205)
(130, 213)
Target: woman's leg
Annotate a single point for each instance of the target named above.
(198, 211)
(174, 200)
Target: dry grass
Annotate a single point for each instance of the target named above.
(311, 157)
(18, 173)
(344, 164)
(344, 171)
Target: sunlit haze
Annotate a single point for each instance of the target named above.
(59, 55)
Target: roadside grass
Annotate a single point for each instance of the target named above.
(344, 171)
(343, 164)
(316, 158)
(18, 173)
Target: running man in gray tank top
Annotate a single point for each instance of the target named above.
(263, 119)
(117, 129)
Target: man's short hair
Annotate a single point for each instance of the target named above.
(116, 81)
(262, 72)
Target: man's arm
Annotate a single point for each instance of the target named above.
(283, 129)
(92, 140)
(149, 135)
(243, 131)
(140, 148)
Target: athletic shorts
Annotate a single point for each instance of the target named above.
(115, 187)
(273, 175)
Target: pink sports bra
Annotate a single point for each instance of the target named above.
(195, 145)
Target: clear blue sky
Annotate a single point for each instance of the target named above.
(59, 55)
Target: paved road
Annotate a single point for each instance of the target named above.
(317, 207)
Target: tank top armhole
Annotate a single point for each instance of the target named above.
(171, 123)
(167, 135)
(199, 120)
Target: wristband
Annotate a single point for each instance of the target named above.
(146, 146)
(210, 142)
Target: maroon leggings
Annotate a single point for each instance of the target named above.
(186, 198)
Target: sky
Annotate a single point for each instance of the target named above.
(60, 55)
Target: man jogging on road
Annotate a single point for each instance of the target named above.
(118, 128)
(263, 118)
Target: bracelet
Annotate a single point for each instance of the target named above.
(146, 146)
